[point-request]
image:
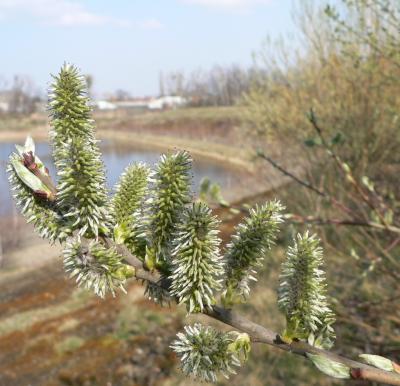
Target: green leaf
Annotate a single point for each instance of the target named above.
(204, 188)
(346, 168)
(311, 142)
(329, 367)
(241, 346)
(368, 183)
(27, 177)
(121, 233)
(28, 147)
(378, 361)
(337, 139)
(389, 216)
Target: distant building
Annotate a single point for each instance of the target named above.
(167, 102)
(146, 103)
(104, 105)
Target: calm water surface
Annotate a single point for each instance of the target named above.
(116, 158)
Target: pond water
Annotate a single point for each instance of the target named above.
(116, 157)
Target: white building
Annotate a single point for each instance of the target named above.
(167, 102)
(104, 105)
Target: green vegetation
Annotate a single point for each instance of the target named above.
(69, 344)
(333, 105)
(182, 261)
(174, 117)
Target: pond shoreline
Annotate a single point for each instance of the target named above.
(226, 154)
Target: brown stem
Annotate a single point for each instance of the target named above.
(260, 334)
(339, 163)
(328, 221)
(334, 201)
(306, 184)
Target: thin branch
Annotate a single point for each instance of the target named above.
(339, 163)
(306, 184)
(260, 334)
(333, 221)
(291, 175)
(338, 204)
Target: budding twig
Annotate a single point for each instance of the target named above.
(261, 334)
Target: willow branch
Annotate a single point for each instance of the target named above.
(291, 175)
(305, 184)
(260, 334)
(333, 221)
(264, 335)
(336, 203)
(339, 163)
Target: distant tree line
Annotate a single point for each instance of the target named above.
(218, 86)
(20, 96)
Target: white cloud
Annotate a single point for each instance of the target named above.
(228, 4)
(57, 12)
(150, 24)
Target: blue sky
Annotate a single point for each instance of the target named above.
(124, 44)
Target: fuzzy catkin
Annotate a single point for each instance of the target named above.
(82, 194)
(253, 237)
(197, 266)
(127, 208)
(302, 293)
(170, 193)
(204, 352)
(130, 192)
(95, 266)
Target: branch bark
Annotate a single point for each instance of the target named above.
(260, 334)
(333, 221)
(353, 222)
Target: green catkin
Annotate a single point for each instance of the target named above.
(82, 194)
(302, 293)
(127, 208)
(174, 237)
(197, 267)
(170, 193)
(253, 237)
(205, 352)
(95, 266)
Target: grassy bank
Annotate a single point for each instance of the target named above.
(209, 132)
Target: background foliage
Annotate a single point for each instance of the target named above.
(347, 74)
